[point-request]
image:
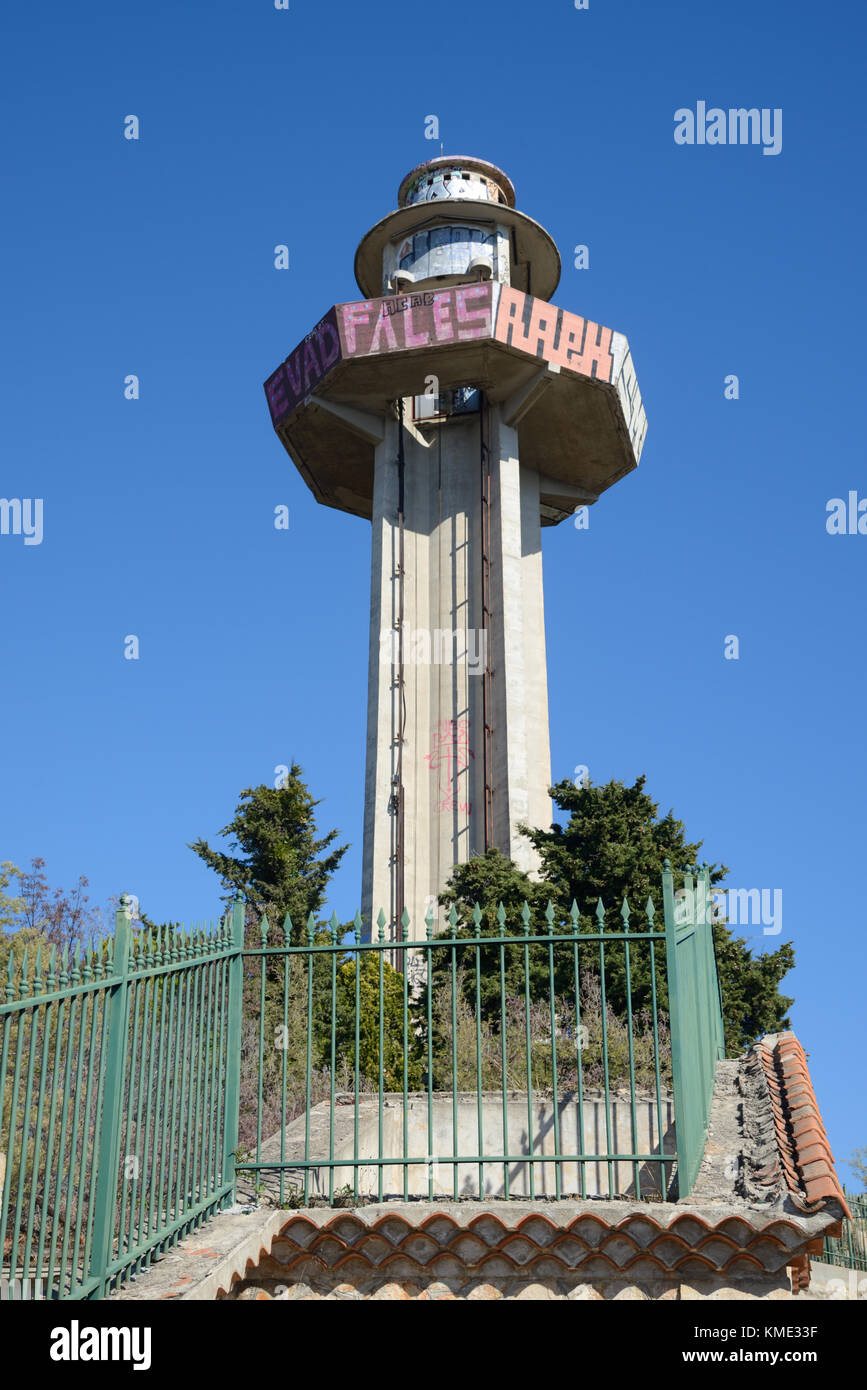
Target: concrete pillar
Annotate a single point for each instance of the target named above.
(446, 646)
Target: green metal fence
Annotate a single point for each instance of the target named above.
(118, 1103)
(850, 1248)
(493, 1063)
(697, 1038)
(146, 1081)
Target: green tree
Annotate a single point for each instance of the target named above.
(366, 963)
(485, 883)
(58, 916)
(280, 864)
(37, 917)
(750, 988)
(613, 846)
(10, 905)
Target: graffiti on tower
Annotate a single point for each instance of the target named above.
(449, 758)
(415, 320)
(304, 368)
(540, 328)
(479, 312)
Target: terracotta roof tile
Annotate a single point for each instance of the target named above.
(802, 1141)
(640, 1243)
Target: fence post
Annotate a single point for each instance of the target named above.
(678, 1050)
(233, 1049)
(107, 1138)
(705, 1009)
(713, 974)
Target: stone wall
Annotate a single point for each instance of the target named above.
(580, 1130)
(464, 1285)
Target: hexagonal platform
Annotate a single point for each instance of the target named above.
(567, 384)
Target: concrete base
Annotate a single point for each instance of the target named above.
(433, 1142)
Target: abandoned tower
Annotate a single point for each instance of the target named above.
(460, 412)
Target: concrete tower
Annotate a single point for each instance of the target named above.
(460, 412)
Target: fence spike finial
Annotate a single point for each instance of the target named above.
(600, 912)
(650, 910)
(429, 923)
(501, 917)
(574, 914)
(334, 924)
(525, 917)
(311, 928)
(624, 913)
(477, 917)
(404, 924)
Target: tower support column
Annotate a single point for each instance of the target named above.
(434, 649)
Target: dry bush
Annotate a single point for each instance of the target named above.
(581, 1048)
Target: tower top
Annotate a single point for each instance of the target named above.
(456, 223)
(456, 176)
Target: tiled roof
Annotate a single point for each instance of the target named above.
(806, 1164)
(614, 1241)
(802, 1165)
(792, 1200)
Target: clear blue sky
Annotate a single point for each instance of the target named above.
(155, 257)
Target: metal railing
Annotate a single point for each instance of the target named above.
(117, 1095)
(147, 1081)
(492, 1063)
(850, 1248)
(697, 1036)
